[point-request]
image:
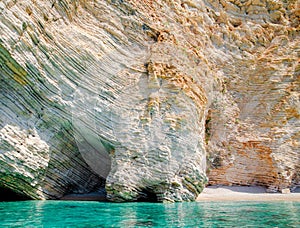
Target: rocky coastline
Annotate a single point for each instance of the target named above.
(151, 100)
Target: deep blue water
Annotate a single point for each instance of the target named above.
(194, 214)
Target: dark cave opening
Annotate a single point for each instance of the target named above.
(9, 195)
(147, 196)
(208, 126)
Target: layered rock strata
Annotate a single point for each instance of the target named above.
(142, 94)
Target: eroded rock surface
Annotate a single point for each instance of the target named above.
(142, 93)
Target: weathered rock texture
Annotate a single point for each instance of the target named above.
(141, 93)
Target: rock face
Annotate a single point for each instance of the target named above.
(140, 95)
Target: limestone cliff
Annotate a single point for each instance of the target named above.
(142, 94)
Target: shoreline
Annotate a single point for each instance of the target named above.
(244, 193)
(94, 196)
(212, 194)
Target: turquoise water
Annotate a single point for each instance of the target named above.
(194, 214)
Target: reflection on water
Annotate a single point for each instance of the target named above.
(196, 214)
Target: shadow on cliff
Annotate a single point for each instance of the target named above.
(9, 195)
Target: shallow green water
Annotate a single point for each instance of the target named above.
(195, 214)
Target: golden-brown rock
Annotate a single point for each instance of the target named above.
(142, 93)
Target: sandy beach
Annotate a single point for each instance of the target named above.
(244, 193)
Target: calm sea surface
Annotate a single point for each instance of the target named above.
(195, 214)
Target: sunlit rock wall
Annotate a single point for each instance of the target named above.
(253, 123)
(143, 94)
